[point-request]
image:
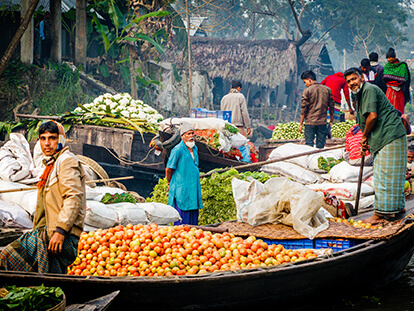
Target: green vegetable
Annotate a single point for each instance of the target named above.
(118, 197)
(217, 194)
(232, 129)
(339, 129)
(37, 298)
(288, 130)
(328, 163)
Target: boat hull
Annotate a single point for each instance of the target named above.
(368, 265)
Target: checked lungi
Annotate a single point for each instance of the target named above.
(29, 253)
(390, 165)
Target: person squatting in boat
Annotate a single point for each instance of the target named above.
(58, 221)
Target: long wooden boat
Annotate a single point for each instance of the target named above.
(369, 264)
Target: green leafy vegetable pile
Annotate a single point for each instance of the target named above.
(37, 298)
(217, 193)
(328, 163)
(118, 197)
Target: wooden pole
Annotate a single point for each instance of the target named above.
(87, 182)
(18, 35)
(254, 165)
(190, 79)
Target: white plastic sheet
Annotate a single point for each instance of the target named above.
(280, 200)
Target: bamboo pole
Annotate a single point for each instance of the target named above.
(254, 165)
(87, 182)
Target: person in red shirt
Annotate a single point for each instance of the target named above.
(336, 83)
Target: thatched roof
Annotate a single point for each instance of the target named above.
(261, 62)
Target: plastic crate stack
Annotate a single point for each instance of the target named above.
(204, 113)
(335, 245)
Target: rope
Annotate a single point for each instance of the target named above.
(134, 162)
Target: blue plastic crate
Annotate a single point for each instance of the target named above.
(225, 115)
(336, 245)
(211, 114)
(292, 244)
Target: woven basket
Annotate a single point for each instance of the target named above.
(94, 166)
(61, 306)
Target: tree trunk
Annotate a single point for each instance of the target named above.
(26, 43)
(17, 36)
(80, 36)
(56, 24)
(190, 79)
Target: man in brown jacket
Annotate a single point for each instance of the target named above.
(58, 221)
(316, 100)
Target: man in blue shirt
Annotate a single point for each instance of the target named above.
(183, 177)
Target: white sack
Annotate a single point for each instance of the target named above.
(289, 149)
(98, 215)
(280, 200)
(159, 213)
(313, 158)
(16, 161)
(238, 140)
(343, 191)
(344, 172)
(370, 181)
(129, 213)
(364, 202)
(13, 216)
(296, 172)
(25, 199)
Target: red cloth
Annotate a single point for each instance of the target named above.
(396, 98)
(353, 143)
(336, 82)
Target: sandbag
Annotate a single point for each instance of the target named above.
(343, 191)
(98, 215)
(280, 200)
(296, 172)
(13, 216)
(129, 213)
(289, 149)
(159, 213)
(344, 172)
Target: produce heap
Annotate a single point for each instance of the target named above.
(217, 195)
(120, 110)
(290, 130)
(339, 129)
(150, 250)
(37, 298)
(355, 223)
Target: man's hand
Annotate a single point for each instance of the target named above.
(331, 123)
(56, 243)
(364, 145)
(300, 128)
(248, 131)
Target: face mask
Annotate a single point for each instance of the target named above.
(190, 144)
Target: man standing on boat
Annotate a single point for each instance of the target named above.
(58, 221)
(316, 101)
(385, 136)
(183, 177)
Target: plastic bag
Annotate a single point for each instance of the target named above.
(238, 140)
(280, 200)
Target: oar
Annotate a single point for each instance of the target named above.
(88, 182)
(358, 194)
(254, 165)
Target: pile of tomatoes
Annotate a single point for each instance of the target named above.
(152, 250)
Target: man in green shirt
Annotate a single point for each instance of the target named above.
(385, 136)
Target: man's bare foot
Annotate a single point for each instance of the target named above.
(374, 219)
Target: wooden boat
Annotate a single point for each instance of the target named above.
(369, 264)
(98, 304)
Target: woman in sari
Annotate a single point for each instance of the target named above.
(397, 77)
